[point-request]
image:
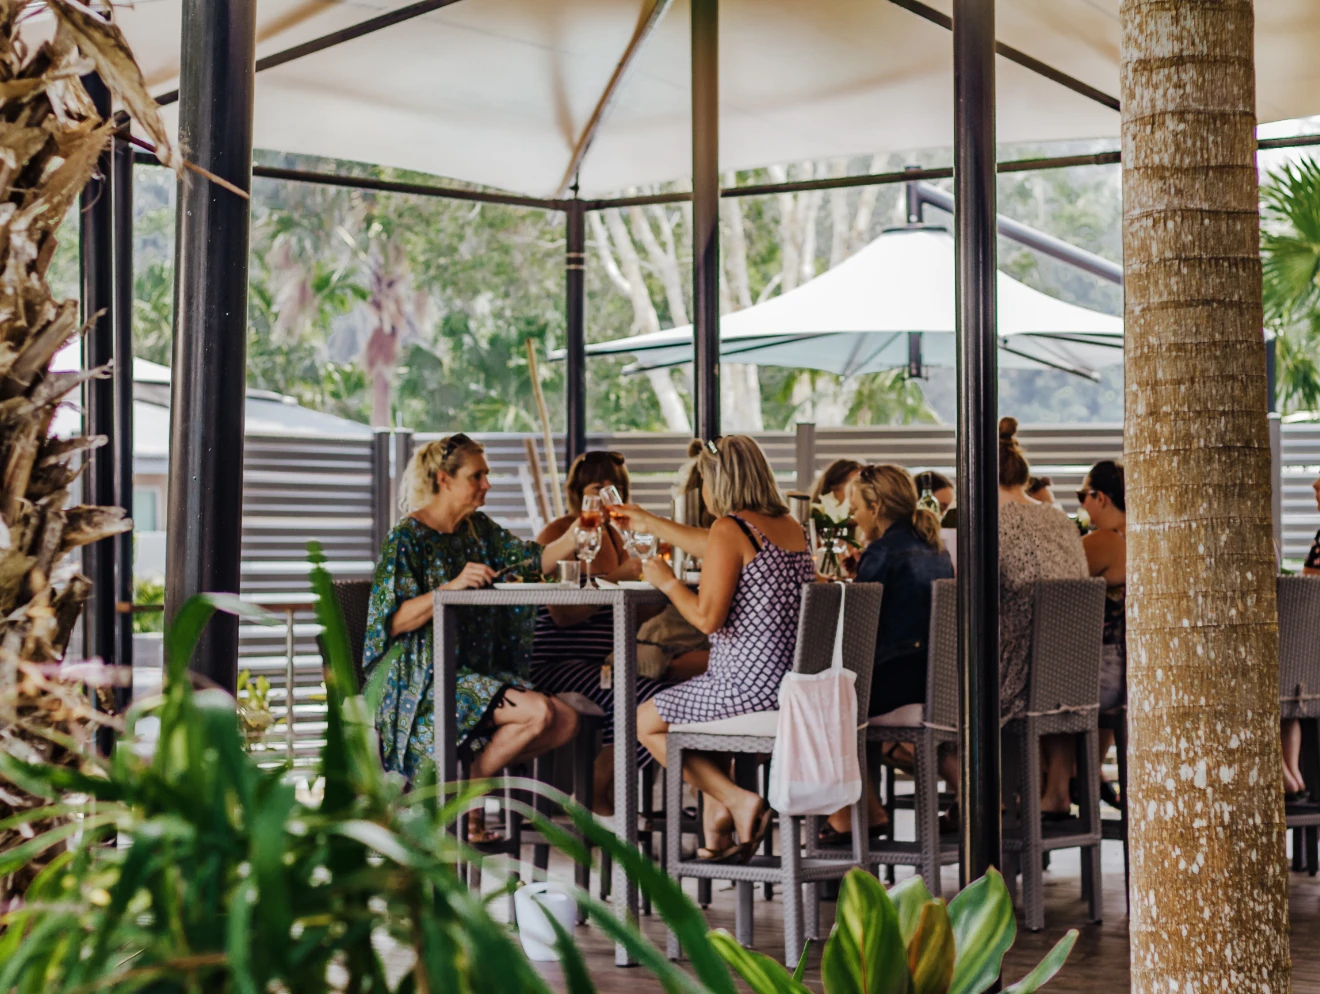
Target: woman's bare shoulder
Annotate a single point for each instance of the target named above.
(555, 529)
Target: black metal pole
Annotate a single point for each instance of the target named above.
(123, 383)
(978, 437)
(575, 331)
(95, 248)
(912, 199)
(706, 216)
(208, 387)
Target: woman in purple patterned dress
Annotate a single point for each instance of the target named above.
(755, 561)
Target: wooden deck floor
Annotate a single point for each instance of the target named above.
(1098, 965)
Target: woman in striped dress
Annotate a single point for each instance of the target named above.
(570, 643)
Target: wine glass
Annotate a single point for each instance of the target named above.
(588, 544)
(611, 499)
(591, 513)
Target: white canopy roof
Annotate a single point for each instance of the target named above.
(856, 318)
(499, 92)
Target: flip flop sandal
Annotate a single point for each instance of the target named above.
(831, 836)
(902, 765)
(728, 855)
(763, 822)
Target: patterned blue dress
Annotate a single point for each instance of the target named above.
(494, 644)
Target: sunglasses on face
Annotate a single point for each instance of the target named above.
(1083, 494)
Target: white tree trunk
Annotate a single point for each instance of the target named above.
(626, 274)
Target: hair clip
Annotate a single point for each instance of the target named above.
(712, 445)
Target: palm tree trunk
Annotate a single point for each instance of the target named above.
(1209, 884)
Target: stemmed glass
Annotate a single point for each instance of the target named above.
(610, 498)
(588, 534)
(645, 545)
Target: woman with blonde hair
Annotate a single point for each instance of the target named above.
(444, 541)
(904, 553)
(755, 561)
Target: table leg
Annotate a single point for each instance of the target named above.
(288, 680)
(445, 684)
(625, 762)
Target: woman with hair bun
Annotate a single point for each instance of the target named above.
(444, 541)
(904, 553)
(1036, 542)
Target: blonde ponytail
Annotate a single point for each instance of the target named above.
(890, 492)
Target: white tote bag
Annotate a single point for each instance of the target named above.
(814, 768)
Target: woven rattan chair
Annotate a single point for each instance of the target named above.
(1299, 699)
(353, 598)
(926, 727)
(755, 733)
(1063, 699)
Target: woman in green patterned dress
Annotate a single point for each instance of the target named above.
(446, 542)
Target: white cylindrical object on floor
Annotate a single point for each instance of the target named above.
(532, 904)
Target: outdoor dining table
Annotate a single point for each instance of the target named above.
(624, 602)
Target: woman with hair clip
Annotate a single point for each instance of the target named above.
(904, 553)
(755, 560)
(444, 541)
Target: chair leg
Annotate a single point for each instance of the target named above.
(584, 794)
(674, 831)
(1120, 747)
(810, 913)
(926, 812)
(1312, 849)
(790, 848)
(1033, 850)
(744, 927)
(1089, 770)
(768, 846)
(542, 772)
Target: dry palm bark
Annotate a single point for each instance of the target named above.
(50, 138)
(1209, 883)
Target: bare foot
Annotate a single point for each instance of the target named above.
(477, 834)
(746, 810)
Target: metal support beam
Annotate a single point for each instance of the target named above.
(96, 246)
(122, 443)
(978, 442)
(208, 389)
(706, 216)
(1014, 55)
(369, 26)
(575, 332)
(612, 88)
(1032, 238)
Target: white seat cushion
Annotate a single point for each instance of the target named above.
(908, 716)
(757, 723)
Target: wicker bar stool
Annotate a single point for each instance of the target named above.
(755, 733)
(1299, 699)
(1063, 699)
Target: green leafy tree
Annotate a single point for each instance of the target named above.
(1290, 256)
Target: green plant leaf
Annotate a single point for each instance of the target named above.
(983, 930)
(909, 897)
(762, 974)
(18, 857)
(667, 897)
(577, 978)
(931, 953)
(801, 968)
(1046, 968)
(238, 946)
(864, 953)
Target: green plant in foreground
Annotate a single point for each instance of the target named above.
(906, 942)
(224, 881)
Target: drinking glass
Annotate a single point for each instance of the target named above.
(570, 573)
(611, 499)
(645, 545)
(588, 544)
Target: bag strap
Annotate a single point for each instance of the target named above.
(837, 663)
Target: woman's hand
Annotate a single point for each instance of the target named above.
(473, 576)
(658, 574)
(634, 518)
